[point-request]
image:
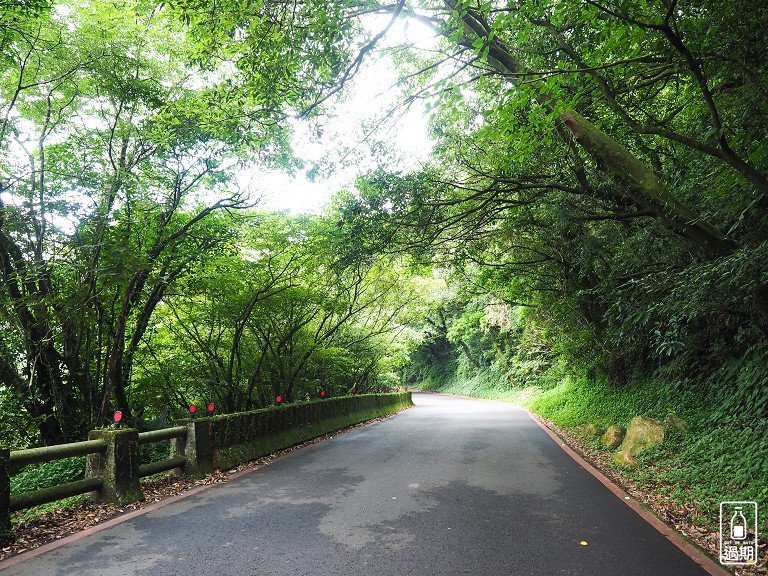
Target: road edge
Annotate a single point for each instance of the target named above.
(688, 548)
(258, 464)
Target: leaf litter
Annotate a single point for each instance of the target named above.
(34, 528)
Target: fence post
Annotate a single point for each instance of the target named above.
(196, 447)
(118, 466)
(6, 534)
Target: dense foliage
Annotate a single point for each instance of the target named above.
(135, 273)
(597, 202)
(591, 226)
(600, 165)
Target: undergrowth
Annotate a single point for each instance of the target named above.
(47, 474)
(722, 455)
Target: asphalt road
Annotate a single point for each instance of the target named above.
(449, 487)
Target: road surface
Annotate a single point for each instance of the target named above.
(452, 486)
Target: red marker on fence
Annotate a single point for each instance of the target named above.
(192, 410)
(279, 399)
(211, 408)
(322, 394)
(118, 417)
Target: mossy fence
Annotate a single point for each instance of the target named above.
(198, 446)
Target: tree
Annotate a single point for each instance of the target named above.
(278, 314)
(561, 130)
(121, 132)
(546, 52)
(114, 172)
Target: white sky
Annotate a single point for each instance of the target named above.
(344, 149)
(366, 99)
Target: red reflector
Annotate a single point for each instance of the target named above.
(211, 407)
(322, 394)
(118, 416)
(192, 408)
(279, 399)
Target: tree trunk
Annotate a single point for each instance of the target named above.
(45, 379)
(641, 184)
(469, 355)
(644, 187)
(113, 374)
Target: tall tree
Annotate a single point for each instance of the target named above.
(594, 161)
(617, 63)
(116, 160)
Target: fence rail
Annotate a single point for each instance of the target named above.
(19, 458)
(174, 463)
(162, 466)
(46, 495)
(164, 434)
(198, 446)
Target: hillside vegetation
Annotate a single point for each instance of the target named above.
(719, 457)
(587, 237)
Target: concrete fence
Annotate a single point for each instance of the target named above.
(198, 446)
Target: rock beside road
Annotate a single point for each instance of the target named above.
(624, 459)
(593, 430)
(613, 437)
(642, 433)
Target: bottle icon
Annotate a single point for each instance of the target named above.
(738, 525)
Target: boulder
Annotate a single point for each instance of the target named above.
(676, 423)
(612, 437)
(593, 430)
(642, 433)
(624, 459)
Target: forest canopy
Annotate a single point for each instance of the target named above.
(595, 203)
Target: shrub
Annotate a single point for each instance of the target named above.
(38, 476)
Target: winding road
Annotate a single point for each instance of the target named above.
(452, 486)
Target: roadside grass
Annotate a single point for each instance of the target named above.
(487, 384)
(714, 460)
(723, 456)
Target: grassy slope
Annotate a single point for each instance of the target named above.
(719, 458)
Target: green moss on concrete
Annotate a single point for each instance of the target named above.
(263, 432)
(118, 466)
(6, 534)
